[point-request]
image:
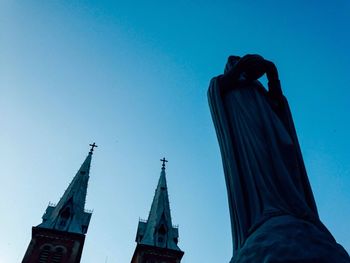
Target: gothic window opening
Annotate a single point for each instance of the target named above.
(161, 235)
(44, 254)
(57, 256)
(66, 212)
(162, 229)
(65, 215)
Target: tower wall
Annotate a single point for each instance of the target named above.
(52, 246)
(153, 254)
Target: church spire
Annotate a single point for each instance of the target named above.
(158, 230)
(61, 235)
(69, 214)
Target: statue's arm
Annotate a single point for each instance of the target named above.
(283, 111)
(275, 90)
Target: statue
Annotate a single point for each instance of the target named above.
(273, 212)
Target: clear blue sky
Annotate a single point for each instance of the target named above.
(133, 77)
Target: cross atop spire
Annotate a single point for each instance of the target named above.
(92, 147)
(163, 162)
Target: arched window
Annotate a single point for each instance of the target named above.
(57, 255)
(64, 217)
(44, 254)
(162, 229)
(161, 235)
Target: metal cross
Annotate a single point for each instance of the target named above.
(92, 147)
(163, 162)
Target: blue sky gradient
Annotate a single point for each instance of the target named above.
(133, 76)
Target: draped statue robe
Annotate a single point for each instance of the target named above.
(264, 170)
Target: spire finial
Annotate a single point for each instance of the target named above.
(163, 162)
(92, 147)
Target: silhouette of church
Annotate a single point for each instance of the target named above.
(61, 235)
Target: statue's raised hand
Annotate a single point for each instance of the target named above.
(271, 70)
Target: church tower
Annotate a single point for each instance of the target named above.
(61, 235)
(157, 238)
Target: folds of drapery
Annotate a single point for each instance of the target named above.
(264, 171)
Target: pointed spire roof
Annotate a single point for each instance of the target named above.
(158, 229)
(69, 214)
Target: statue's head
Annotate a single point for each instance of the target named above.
(231, 62)
(252, 66)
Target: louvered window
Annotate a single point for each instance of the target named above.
(44, 254)
(57, 256)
